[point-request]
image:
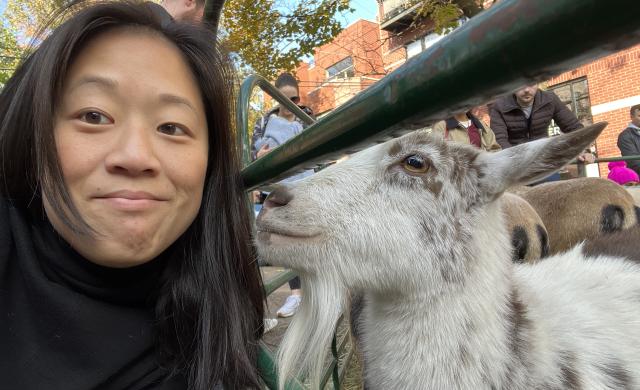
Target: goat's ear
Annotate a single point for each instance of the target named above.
(533, 161)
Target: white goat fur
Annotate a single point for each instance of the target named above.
(445, 307)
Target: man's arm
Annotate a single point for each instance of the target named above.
(564, 118)
(499, 128)
(629, 148)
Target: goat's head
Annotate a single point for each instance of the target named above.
(398, 216)
(373, 217)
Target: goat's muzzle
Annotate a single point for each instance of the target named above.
(278, 198)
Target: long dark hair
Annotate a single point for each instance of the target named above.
(210, 308)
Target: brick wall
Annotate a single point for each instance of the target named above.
(360, 41)
(611, 79)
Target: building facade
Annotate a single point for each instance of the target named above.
(603, 90)
(342, 68)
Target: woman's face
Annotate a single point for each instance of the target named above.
(131, 135)
(290, 92)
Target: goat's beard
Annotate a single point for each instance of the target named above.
(304, 348)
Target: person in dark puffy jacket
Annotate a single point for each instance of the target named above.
(629, 138)
(526, 114)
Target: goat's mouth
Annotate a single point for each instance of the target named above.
(268, 235)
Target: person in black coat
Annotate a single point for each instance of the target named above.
(525, 116)
(629, 139)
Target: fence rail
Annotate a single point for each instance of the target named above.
(513, 43)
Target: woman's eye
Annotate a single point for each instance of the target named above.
(171, 129)
(415, 164)
(95, 118)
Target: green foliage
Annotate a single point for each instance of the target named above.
(270, 36)
(265, 36)
(445, 13)
(9, 54)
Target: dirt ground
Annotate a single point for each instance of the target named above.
(274, 301)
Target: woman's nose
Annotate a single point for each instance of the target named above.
(133, 154)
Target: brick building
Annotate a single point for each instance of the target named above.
(603, 90)
(342, 68)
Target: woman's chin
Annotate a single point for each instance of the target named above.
(121, 252)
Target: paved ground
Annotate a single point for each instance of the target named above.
(274, 301)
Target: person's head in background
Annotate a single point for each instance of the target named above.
(635, 115)
(619, 173)
(288, 85)
(93, 129)
(526, 95)
(190, 11)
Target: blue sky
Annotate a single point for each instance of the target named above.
(364, 9)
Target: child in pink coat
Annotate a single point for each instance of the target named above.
(622, 175)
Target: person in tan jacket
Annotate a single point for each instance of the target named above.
(468, 129)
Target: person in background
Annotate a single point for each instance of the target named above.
(270, 131)
(125, 248)
(622, 175)
(190, 11)
(526, 114)
(629, 139)
(468, 129)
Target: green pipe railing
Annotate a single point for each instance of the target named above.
(242, 114)
(623, 158)
(513, 43)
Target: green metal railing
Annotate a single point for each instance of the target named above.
(514, 43)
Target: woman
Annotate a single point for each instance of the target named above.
(270, 131)
(124, 255)
(468, 129)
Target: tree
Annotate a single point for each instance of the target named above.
(445, 13)
(264, 36)
(10, 54)
(21, 21)
(270, 36)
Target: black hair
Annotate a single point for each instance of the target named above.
(286, 79)
(633, 109)
(210, 306)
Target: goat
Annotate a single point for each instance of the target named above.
(415, 225)
(618, 244)
(529, 237)
(579, 209)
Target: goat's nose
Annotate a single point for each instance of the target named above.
(278, 198)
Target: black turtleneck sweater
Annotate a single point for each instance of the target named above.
(67, 323)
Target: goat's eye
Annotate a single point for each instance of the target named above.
(415, 164)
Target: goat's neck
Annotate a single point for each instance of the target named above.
(460, 334)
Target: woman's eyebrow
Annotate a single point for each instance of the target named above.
(105, 82)
(175, 99)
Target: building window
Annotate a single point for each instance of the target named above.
(341, 70)
(419, 45)
(575, 94)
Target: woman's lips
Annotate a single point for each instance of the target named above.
(131, 200)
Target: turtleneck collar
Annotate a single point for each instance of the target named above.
(134, 286)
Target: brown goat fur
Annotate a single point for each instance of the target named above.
(579, 209)
(625, 243)
(529, 236)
